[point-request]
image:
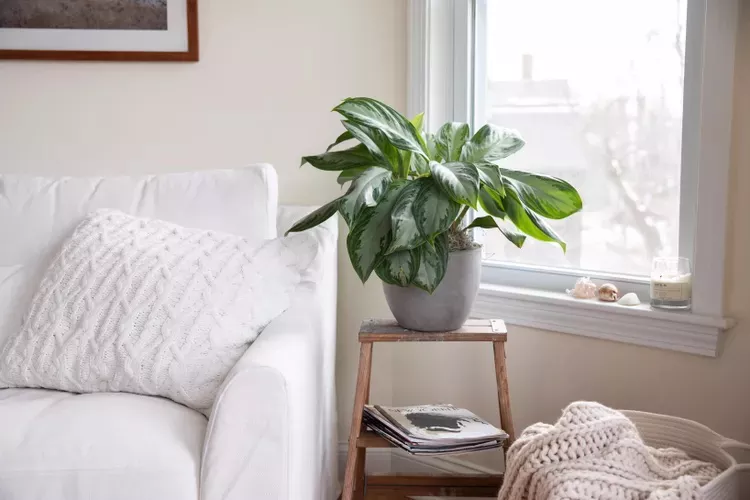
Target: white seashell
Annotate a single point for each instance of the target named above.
(583, 289)
(607, 293)
(629, 299)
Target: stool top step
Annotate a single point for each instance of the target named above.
(474, 330)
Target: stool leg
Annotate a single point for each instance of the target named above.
(355, 460)
(359, 475)
(503, 395)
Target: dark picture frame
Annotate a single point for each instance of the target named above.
(192, 53)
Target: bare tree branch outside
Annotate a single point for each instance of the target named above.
(84, 14)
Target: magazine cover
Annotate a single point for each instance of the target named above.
(440, 423)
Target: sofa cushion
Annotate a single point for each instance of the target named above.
(146, 306)
(97, 446)
(37, 213)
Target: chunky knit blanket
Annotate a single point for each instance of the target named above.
(595, 452)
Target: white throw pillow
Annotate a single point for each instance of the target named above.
(150, 307)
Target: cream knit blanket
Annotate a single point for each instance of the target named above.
(595, 452)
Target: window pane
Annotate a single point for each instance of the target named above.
(595, 87)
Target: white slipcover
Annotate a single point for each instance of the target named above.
(272, 431)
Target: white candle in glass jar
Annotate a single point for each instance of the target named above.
(672, 288)
(671, 283)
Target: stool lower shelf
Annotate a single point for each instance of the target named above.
(405, 486)
(357, 485)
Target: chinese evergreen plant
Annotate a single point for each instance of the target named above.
(410, 192)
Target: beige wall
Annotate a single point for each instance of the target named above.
(270, 71)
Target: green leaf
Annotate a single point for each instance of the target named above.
(514, 237)
(491, 202)
(486, 222)
(350, 174)
(370, 234)
(489, 222)
(460, 181)
(319, 216)
(418, 122)
(433, 264)
(365, 191)
(527, 221)
(345, 136)
(490, 175)
(433, 210)
(404, 166)
(399, 268)
(358, 156)
(490, 144)
(450, 140)
(372, 113)
(549, 197)
(406, 234)
(382, 151)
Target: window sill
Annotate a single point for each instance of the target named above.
(640, 325)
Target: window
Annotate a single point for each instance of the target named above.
(604, 115)
(630, 101)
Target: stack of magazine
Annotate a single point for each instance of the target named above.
(433, 429)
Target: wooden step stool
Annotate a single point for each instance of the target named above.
(356, 484)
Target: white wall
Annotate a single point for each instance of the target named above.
(270, 72)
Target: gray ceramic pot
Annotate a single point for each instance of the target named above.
(449, 306)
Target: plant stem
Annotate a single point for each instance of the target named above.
(460, 218)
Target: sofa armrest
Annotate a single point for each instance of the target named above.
(271, 434)
(263, 422)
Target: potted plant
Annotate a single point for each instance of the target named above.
(407, 202)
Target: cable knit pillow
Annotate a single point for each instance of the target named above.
(149, 307)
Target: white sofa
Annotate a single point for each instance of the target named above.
(271, 434)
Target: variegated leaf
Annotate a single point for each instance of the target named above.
(365, 191)
(432, 148)
(349, 174)
(345, 136)
(358, 156)
(433, 264)
(488, 222)
(399, 268)
(490, 175)
(377, 143)
(450, 139)
(547, 196)
(460, 181)
(527, 221)
(370, 234)
(419, 165)
(376, 115)
(319, 216)
(406, 234)
(433, 210)
(491, 143)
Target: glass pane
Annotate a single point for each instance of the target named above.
(595, 87)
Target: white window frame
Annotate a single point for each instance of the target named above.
(440, 82)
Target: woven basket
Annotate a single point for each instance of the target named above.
(698, 441)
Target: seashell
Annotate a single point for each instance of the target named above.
(607, 292)
(629, 299)
(583, 289)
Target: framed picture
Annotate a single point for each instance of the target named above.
(99, 30)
